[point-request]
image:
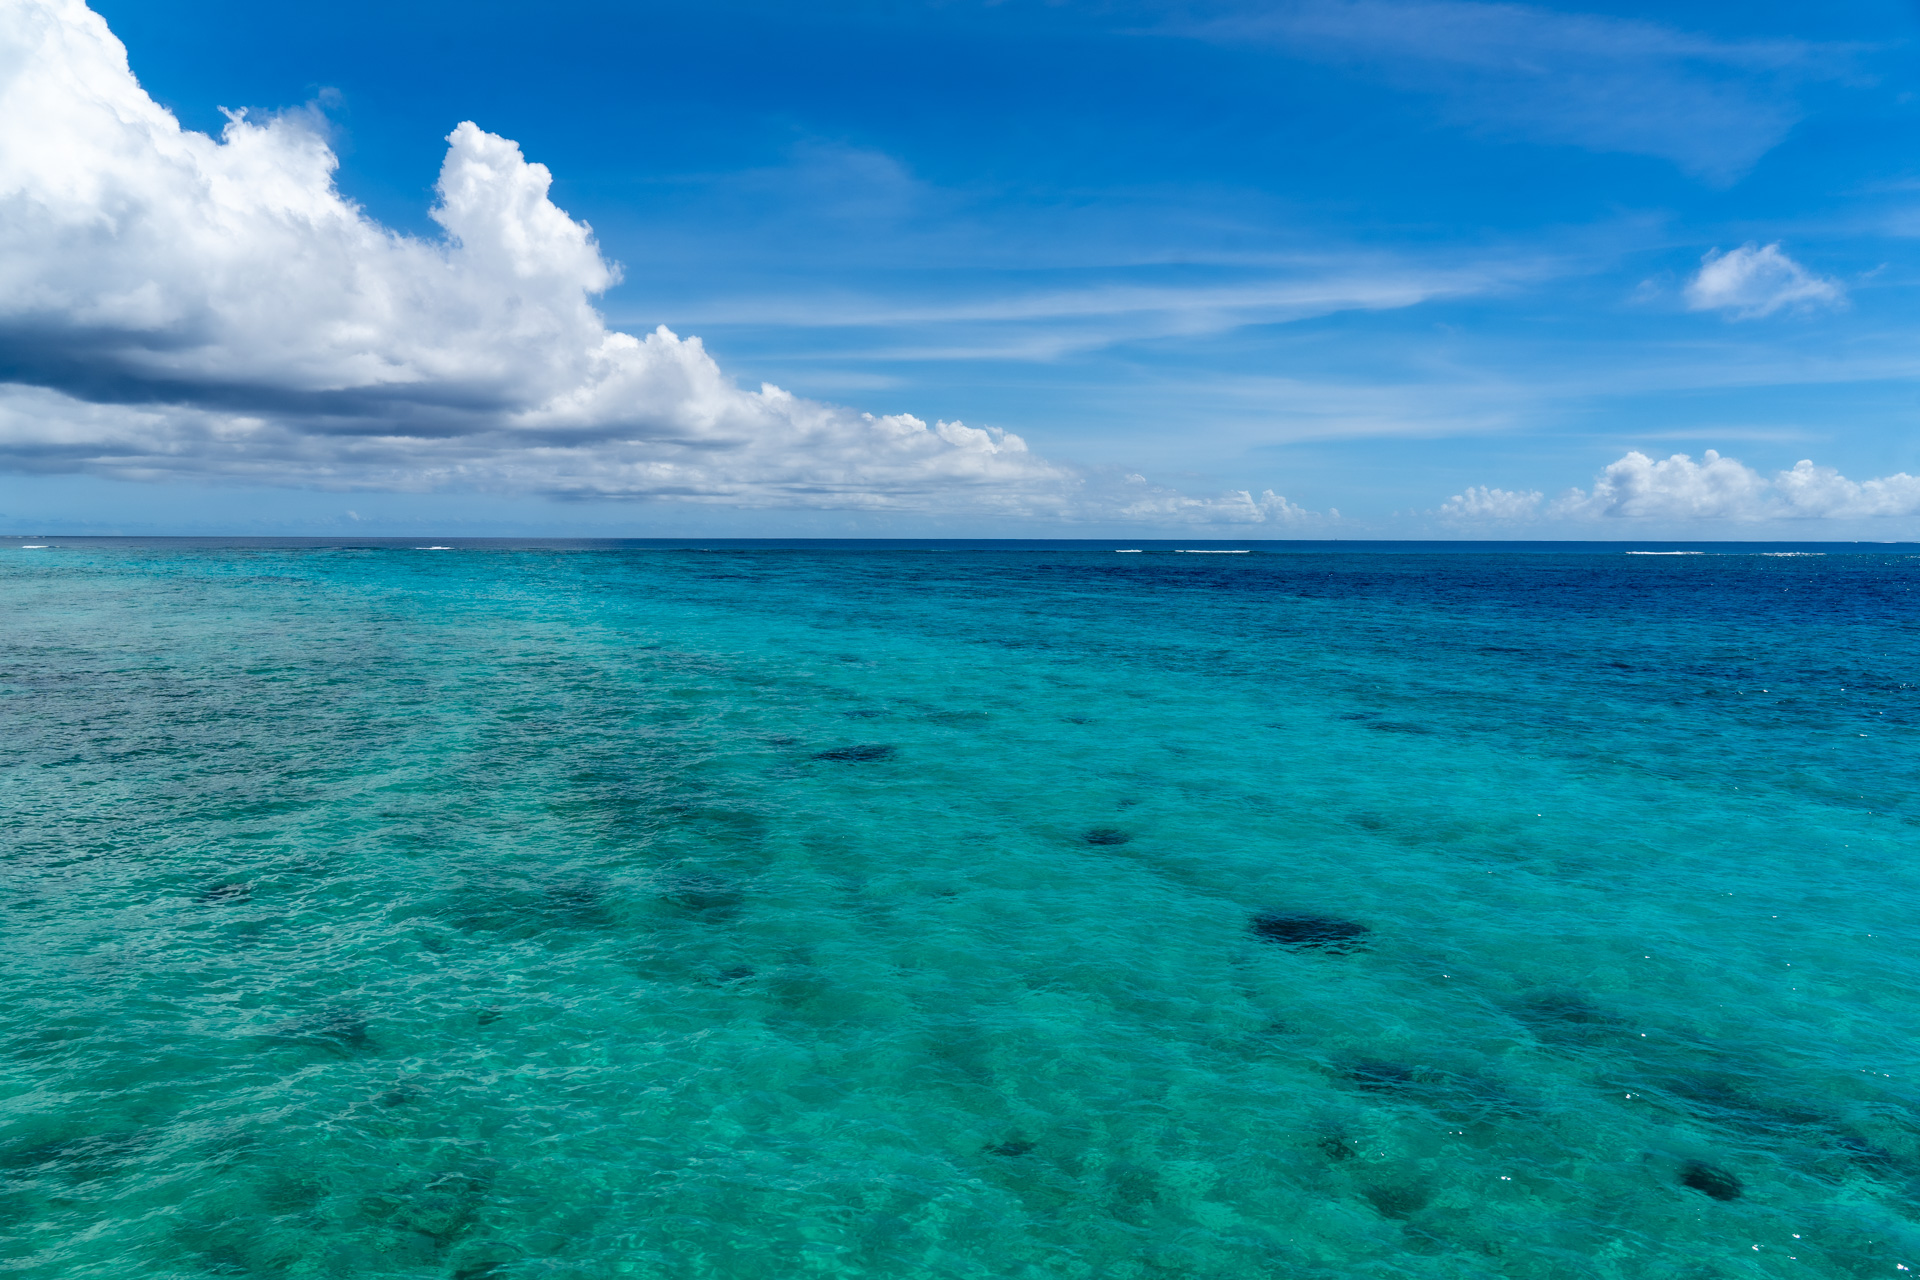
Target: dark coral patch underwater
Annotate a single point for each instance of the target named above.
(857, 754)
(1309, 933)
(1711, 1180)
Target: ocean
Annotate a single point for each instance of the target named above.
(1003, 910)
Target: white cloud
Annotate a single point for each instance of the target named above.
(1637, 487)
(1166, 506)
(1673, 488)
(1822, 491)
(177, 306)
(1756, 280)
(1109, 313)
(1612, 84)
(1482, 503)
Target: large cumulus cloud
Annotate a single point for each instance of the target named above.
(174, 305)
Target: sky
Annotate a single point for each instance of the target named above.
(1324, 268)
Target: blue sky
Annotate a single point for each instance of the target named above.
(1368, 254)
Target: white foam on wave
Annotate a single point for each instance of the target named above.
(433, 548)
(1126, 551)
(1793, 553)
(1207, 551)
(34, 546)
(1666, 553)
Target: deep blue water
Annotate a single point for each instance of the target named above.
(958, 910)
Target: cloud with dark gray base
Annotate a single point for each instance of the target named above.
(178, 306)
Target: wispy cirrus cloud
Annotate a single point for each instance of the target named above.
(1754, 281)
(1048, 321)
(1332, 287)
(1711, 106)
(848, 252)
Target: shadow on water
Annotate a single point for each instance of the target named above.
(1398, 1200)
(1726, 1089)
(861, 753)
(1570, 1018)
(1711, 1180)
(279, 1218)
(340, 1030)
(1309, 932)
(729, 830)
(440, 1207)
(74, 1160)
(704, 896)
(519, 908)
(1336, 1148)
(1466, 1095)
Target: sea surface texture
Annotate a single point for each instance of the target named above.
(1006, 911)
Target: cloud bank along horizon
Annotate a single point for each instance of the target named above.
(180, 307)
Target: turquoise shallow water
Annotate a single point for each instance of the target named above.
(767, 911)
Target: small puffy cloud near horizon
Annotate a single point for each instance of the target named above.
(177, 307)
(1677, 488)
